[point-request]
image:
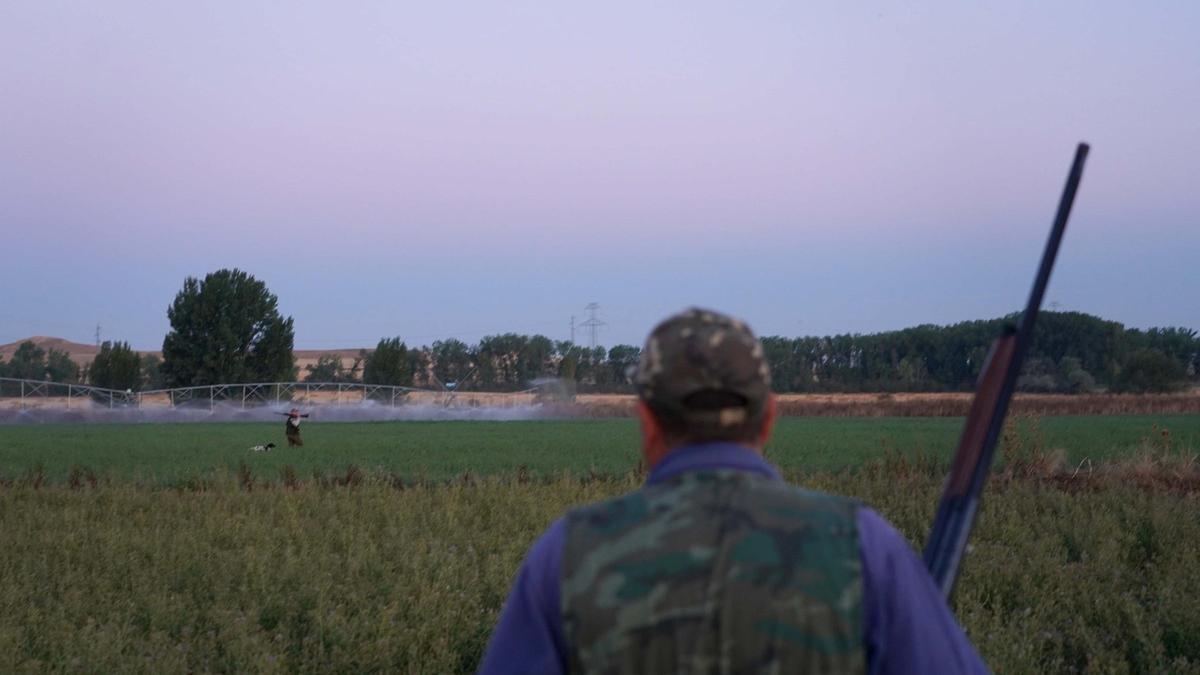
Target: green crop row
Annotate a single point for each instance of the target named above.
(157, 453)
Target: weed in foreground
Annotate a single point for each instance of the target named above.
(345, 572)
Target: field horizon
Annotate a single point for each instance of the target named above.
(440, 450)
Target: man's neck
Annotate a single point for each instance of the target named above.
(657, 456)
(708, 456)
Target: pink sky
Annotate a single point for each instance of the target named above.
(456, 169)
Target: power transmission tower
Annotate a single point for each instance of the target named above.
(97, 335)
(593, 323)
(572, 329)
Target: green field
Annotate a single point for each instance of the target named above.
(439, 450)
(189, 554)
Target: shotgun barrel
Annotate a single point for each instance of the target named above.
(973, 458)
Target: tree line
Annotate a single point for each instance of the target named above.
(506, 362)
(226, 328)
(116, 366)
(1071, 352)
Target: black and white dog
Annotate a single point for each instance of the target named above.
(262, 448)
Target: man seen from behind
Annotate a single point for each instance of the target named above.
(717, 565)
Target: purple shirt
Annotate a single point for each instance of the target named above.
(908, 627)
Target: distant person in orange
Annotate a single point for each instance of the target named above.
(292, 428)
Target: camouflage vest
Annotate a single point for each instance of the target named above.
(714, 572)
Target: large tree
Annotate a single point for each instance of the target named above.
(28, 362)
(622, 359)
(452, 360)
(1150, 370)
(151, 372)
(329, 368)
(227, 328)
(390, 363)
(31, 362)
(511, 361)
(60, 367)
(116, 367)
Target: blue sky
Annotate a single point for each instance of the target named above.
(456, 169)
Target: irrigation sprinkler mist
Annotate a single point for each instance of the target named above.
(368, 411)
(43, 403)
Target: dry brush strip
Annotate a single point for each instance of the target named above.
(921, 405)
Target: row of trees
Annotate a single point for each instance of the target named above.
(505, 362)
(226, 328)
(31, 362)
(117, 366)
(1070, 352)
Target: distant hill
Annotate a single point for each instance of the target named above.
(313, 354)
(80, 353)
(309, 357)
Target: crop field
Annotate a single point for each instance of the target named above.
(389, 547)
(440, 450)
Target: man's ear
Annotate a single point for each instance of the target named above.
(768, 423)
(654, 442)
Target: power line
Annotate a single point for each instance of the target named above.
(593, 323)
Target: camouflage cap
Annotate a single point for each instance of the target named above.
(703, 351)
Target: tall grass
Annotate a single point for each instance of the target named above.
(352, 570)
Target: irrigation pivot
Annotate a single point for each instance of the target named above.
(977, 445)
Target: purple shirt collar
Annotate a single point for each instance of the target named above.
(711, 456)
